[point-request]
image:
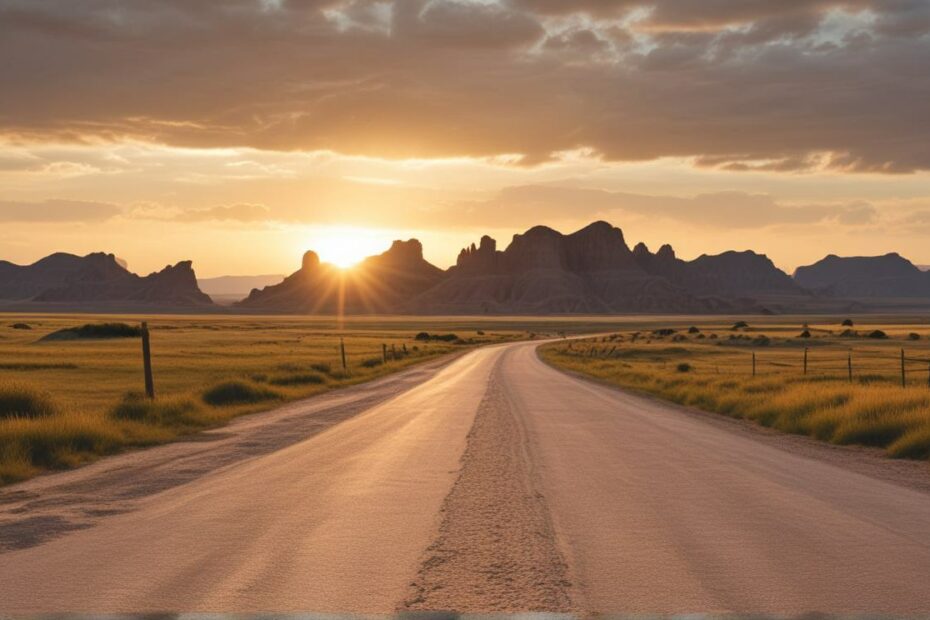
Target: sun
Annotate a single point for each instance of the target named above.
(346, 246)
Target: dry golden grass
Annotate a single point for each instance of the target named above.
(66, 402)
(712, 370)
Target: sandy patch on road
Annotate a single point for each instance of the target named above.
(496, 550)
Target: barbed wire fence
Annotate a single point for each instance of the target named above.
(850, 364)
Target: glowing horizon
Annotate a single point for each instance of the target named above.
(707, 126)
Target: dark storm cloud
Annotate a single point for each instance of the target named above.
(751, 84)
(57, 211)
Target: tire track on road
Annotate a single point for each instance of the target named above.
(496, 550)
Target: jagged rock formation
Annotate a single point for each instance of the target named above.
(68, 279)
(890, 276)
(543, 271)
(379, 284)
(730, 274)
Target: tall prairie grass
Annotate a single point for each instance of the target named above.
(871, 410)
(65, 402)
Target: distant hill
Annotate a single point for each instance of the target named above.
(730, 274)
(885, 276)
(379, 284)
(541, 271)
(98, 278)
(229, 289)
(544, 271)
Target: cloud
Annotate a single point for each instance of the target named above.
(515, 206)
(231, 213)
(788, 85)
(57, 211)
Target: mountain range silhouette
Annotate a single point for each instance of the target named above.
(541, 271)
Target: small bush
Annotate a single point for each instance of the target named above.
(322, 367)
(238, 392)
(21, 326)
(372, 362)
(878, 334)
(683, 367)
(913, 336)
(96, 331)
(805, 334)
(306, 378)
(426, 336)
(665, 331)
(762, 341)
(740, 325)
(693, 330)
(20, 401)
(135, 406)
(848, 323)
(848, 333)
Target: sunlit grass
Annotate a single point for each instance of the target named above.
(714, 373)
(66, 402)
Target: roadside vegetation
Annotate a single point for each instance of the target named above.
(833, 382)
(70, 398)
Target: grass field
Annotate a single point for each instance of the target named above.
(850, 390)
(68, 401)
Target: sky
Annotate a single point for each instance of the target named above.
(241, 133)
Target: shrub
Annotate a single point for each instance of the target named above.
(21, 326)
(306, 378)
(848, 333)
(21, 401)
(848, 323)
(372, 362)
(693, 330)
(805, 334)
(426, 336)
(683, 367)
(740, 325)
(96, 331)
(665, 331)
(762, 341)
(135, 406)
(913, 336)
(878, 334)
(322, 367)
(238, 392)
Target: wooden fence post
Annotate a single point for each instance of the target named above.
(383, 353)
(393, 353)
(342, 354)
(903, 371)
(147, 362)
(805, 361)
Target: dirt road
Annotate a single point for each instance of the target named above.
(494, 483)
